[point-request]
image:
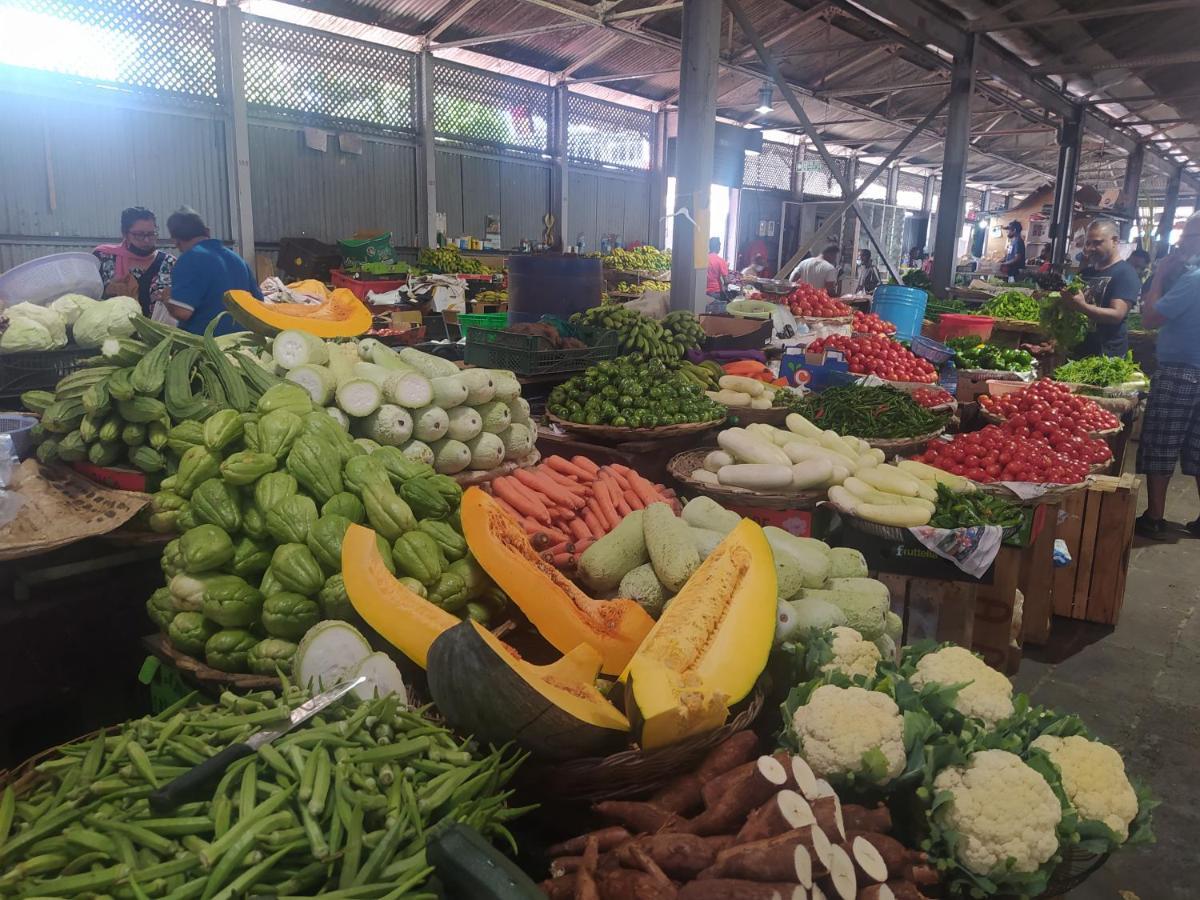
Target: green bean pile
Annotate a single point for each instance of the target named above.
(339, 807)
(868, 412)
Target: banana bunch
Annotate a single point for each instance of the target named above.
(624, 287)
(448, 261)
(640, 259)
(636, 334)
(684, 326)
(706, 374)
(491, 297)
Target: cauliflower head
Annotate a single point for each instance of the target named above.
(1093, 775)
(852, 655)
(1002, 809)
(988, 696)
(839, 725)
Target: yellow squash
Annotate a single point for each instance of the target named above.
(341, 315)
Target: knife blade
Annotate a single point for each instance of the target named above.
(191, 784)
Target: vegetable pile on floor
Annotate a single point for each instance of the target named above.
(359, 800)
(632, 393)
(120, 407)
(666, 340)
(869, 412)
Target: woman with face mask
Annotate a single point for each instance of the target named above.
(136, 267)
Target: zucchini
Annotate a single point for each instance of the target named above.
(468, 866)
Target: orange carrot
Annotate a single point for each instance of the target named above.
(568, 468)
(579, 529)
(623, 508)
(644, 489)
(586, 464)
(558, 494)
(560, 547)
(633, 500)
(509, 490)
(564, 560)
(580, 546)
(607, 508)
(619, 477)
(540, 540)
(593, 521)
(566, 481)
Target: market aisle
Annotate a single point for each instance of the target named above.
(1136, 685)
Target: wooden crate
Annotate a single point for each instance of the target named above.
(1097, 527)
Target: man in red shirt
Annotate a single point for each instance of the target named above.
(717, 269)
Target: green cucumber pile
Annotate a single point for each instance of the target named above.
(353, 804)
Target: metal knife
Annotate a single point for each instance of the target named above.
(191, 785)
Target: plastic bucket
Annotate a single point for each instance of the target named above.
(903, 306)
(955, 325)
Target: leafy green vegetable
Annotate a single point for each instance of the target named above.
(1100, 371)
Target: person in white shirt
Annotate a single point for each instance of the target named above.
(820, 271)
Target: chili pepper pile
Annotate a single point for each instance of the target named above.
(964, 510)
(869, 323)
(342, 804)
(1012, 305)
(868, 412)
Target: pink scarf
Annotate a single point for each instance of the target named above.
(124, 259)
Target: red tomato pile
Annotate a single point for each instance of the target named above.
(931, 397)
(809, 302)
(869, 323)
(994, 454)
(879, 356)
(1050, 404)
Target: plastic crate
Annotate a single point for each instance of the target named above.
(496, 321)
(38, 370)
(527, 354)
(360, 287)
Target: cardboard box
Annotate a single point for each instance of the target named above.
(815, 371)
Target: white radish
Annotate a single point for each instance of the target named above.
(801, 426)
(756, 476)
(811, 473)
(716, 459)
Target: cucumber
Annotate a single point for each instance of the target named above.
(468, 866)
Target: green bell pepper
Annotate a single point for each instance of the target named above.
(388, 514)
(161, 608)
(197, 465)
(449, 592)
(190, 631)
(290, 519)
(325, 541)
(295, 569)
(221, 429)
(273, 487)
(246, 467)
(277, 431)
(230, 602)
(289, 616)
(418, 556)
(272, 656)
(229, 649)
(215, 502)
(205, 548)
(345, 504)
(453, 544)
(316, 465)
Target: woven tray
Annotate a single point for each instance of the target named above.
(468, 477)
(613, 433)
(1052, 493)
(898, 446)
(207, 675)
(744, 415)
(683, 464)
(634, 772)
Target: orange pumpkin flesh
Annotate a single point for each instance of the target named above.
(342, 315)
(565, 615)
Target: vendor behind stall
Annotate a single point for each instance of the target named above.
(757, 266)
(206, 269)
(136, 267)
(1013, 263)
(1115, 288)
(1171, 432)
(820, 271)
(868, 274)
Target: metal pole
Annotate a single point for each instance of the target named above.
(789, 95)
(427, 230)
(954, 169)
(1130, 187)
(657, 229)
(1167, 222)
(241, 207)
(893, 186)
(698, 74)
(1069, 141)
(560, 206)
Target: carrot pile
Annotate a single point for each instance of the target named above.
(564, 505)
(750, 368)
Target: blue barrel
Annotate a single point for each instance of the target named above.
(903, 306)
(552, 284)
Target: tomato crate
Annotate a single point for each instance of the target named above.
(529, 354)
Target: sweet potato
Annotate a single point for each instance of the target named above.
(783, 812)
(565, 865)
(799, 772)
(798, 855)
(898, 858)
(735, 794)
(681, 856)
(630, 884)
(608, 838)
(828, 813)
(869, 864)
(730, 889)
(922, 874)
(862, 818)
(905, 890)
(645, 818)
(585, 878)
(876, 892)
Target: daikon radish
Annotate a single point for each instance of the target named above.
(811, 473)
(756, 476)
(798, 424)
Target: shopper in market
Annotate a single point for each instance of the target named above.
(136, 267)
(718, 270)
(205, 270)
(820, 271)
(868, 273)
(1171, 431)
(1013, 263)
(1115, 288)
(756, 268)
(1140, 260)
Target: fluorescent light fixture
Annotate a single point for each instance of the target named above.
(764, 99)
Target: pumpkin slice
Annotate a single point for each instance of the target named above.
(565, 615)
(709, 646)
(341, 315)
(554, 711)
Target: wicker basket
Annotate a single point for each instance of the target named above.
(682, 465)
(208, 676)
(634, 772)
(1076, 867)
(613, 433)
(892, 447)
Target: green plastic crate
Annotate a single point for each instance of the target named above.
(496, 321)
(527, 354)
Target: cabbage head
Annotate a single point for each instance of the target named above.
(108, 318)
(24, 333)
(47, 318)
(71, 306)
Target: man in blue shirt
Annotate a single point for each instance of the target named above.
(205, 270)
(1171, 432)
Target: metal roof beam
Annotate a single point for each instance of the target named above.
(506, 36)
(791, 27)
(864, 89)
(434, 33)
(1146, 98)
(1138, 62)
(997, 23)
(608, 79)
(644, 11)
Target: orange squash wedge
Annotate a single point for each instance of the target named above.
(341, 315)
(565, 615)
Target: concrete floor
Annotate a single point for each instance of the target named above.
(1136, 686)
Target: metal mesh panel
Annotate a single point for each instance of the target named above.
(818, 180)
(877, 190)
(770, 168)
(973, 197)
(911, 190)
(147, 45)
(474, 107)
(608, 134)
(316, 76)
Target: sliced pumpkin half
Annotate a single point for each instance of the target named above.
(341, 315)
(565, 615)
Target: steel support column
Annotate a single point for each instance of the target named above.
(1130, 187)
(954, 169)
(698, 74)
(237, 136)
(1167, 222)
(657, 229)
(560, 205)
(1070, 139)
(893, 186)
(427, 209)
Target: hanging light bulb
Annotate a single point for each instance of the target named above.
(764, 98)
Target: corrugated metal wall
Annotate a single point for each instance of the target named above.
(69, 168)
(300, 192)
(470, 187)
(601, 203)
